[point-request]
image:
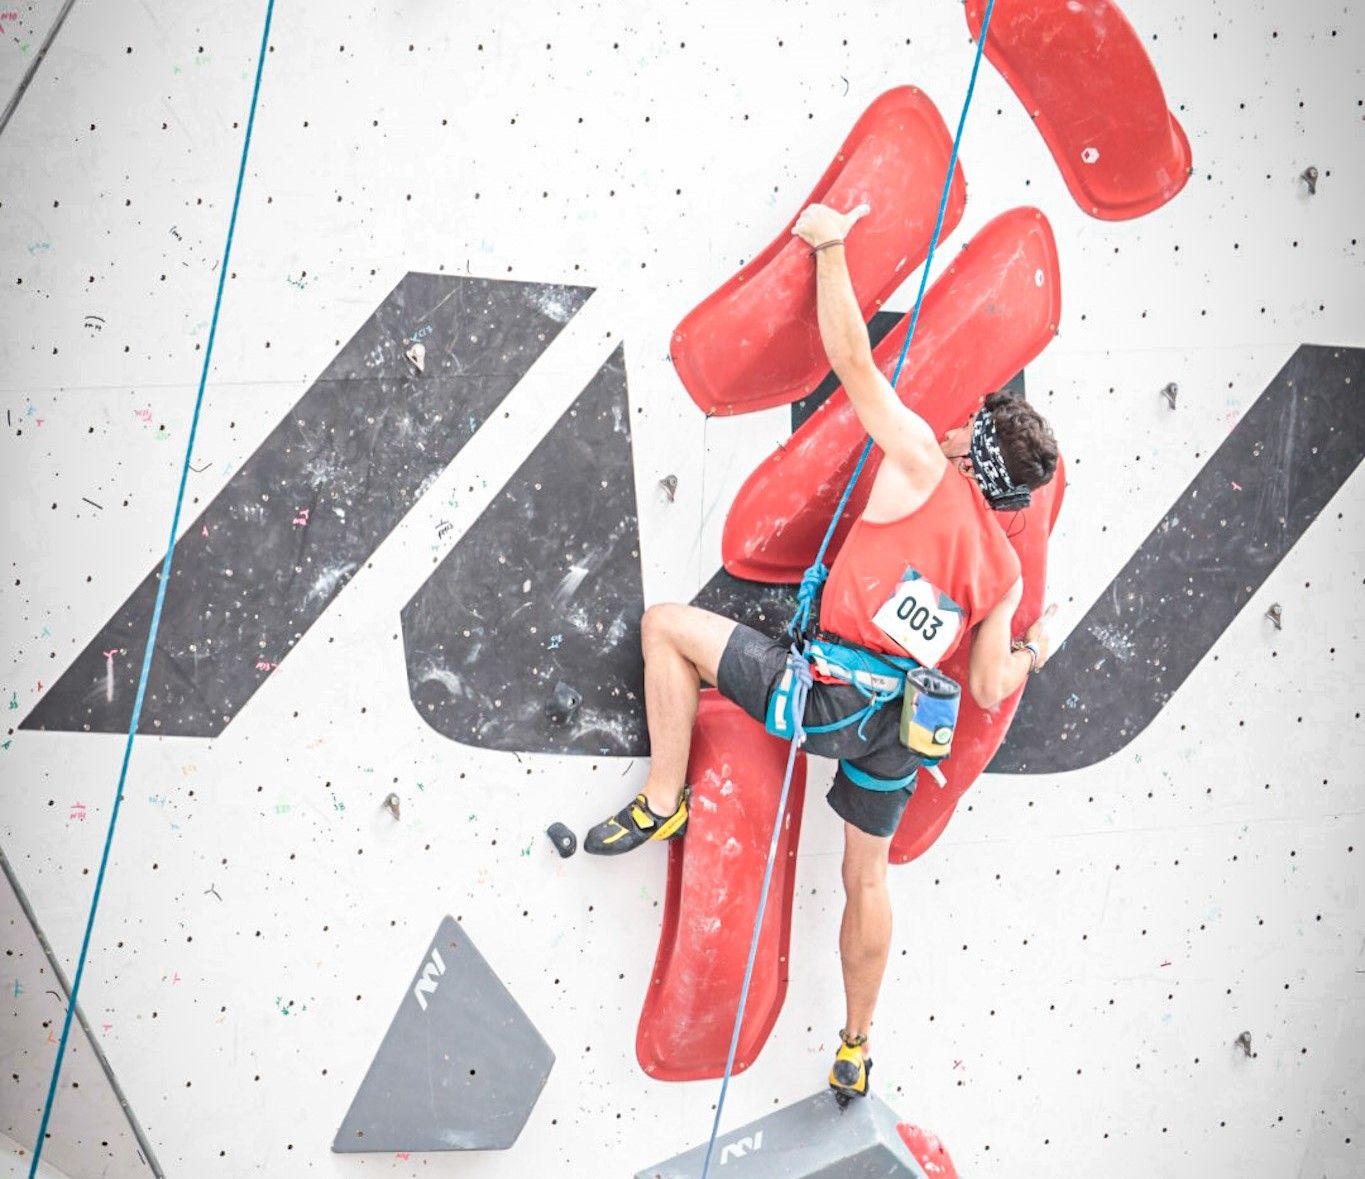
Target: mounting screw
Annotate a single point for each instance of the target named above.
(1276, 615)
(669, 486)
(1170, 392)
(1310, 177)
(1244, 1043)
(391, 804)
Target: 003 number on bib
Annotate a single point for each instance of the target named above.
(921, 619)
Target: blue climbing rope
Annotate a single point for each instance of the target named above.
(163, 582)
(814, 577)
(811, 582)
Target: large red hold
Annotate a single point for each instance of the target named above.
(1082, 74)
(980, 732)
(755, 343)
(715, 875)
(990, 313)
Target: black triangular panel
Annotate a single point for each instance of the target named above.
(527, 636)
(767, 608)
(262, 562)
(1258, 493)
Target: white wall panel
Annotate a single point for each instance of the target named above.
(1074, 960)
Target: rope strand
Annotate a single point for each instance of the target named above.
(163, 581)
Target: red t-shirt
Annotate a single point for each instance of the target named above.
(916, 585)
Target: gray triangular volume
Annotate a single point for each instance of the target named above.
(461, 1066)
(812, 1139)
(527, 636)
(308, 508)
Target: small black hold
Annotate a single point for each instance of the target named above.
(562, 704)
(1244, 1043)
(1310, 177)
(1276, 615)
(669, 486)
(1170, 392)
(565, 841)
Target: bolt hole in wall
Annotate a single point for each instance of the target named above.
(451, 446)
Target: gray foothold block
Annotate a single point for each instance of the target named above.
(812, 1139)
(562, 704)
(461, 1066)
(565, 841)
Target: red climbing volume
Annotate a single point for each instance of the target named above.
(755, 342)
(929, 1152)
(715, 876)
(1082, 74)
(991, 312)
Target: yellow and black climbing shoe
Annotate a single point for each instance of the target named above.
(849, 1076)
(633, 825)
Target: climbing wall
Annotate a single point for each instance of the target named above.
(444, 460)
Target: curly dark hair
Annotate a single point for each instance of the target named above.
(1026, 440)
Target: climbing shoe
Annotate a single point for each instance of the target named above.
(635, 824)
(849, 1076)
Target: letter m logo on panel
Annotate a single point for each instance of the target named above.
(426, 981)
(742, 1146)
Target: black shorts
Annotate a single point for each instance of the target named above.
(752, 664)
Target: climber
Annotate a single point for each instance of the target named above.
(925, 563)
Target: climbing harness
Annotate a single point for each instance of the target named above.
(797, 674)
(163, 581)
(878, 678)
(929, 706)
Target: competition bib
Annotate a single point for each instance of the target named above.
(921, 618)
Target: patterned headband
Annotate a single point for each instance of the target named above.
(988, 463)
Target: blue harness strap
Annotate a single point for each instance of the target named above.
(787, 700)
(868, 782)
(858, 666)
(879, 678)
